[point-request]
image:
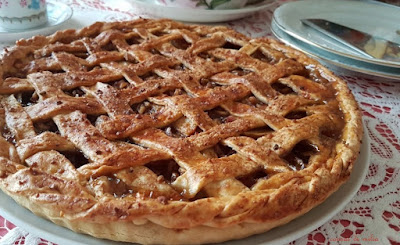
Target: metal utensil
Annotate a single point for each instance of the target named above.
(361, 42)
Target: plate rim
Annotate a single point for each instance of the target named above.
(296, 35)
(45, 229)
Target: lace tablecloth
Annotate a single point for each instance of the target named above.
(373, 215)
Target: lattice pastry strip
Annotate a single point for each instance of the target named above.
(18, 122)
(54, 163)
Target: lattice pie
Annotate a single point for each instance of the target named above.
(152, 131)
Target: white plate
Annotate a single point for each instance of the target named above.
(334, 59)
(376, 19)
(199, 15)
(57, 14)
(280, 235)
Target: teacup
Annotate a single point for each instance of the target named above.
(22, 14)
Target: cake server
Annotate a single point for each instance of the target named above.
(361, 42)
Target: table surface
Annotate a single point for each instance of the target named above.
(373, 215)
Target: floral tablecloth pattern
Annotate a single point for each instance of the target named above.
(373, 215)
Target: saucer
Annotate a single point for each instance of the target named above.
(57, 14)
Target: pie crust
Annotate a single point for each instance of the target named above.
(156, 132)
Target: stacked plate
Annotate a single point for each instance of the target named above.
(371, 17)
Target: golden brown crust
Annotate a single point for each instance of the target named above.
(154, 125)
